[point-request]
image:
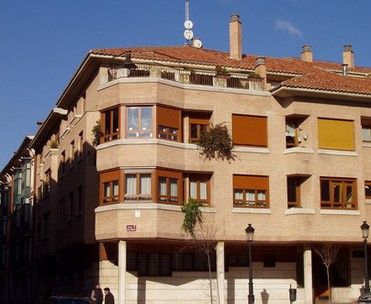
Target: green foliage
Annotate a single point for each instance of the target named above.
(221, 71)
(96, 134)
(192, 216)
(216, 143)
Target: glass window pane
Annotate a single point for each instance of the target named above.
(132, 122)
(115, 186)
(115, 120)
(291, 190)
(261, 195)
(368, 190)
(203, 190)
(325, 190)
(131, 184)
(250, 195)
(145, 184)
(146, 119)
(238, 194)
(194, 131)
(162, 186)
(107, 189)
(349, 194)
(337, 192)
(173, 187)
(193, 190)
(107, 126)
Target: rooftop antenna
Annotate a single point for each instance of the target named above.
(188, 33)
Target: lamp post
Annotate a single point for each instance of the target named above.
(250, 237)
(365, 228)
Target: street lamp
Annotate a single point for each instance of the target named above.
(365, 228)
(250, 237)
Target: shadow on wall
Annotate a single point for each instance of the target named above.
(265, 296)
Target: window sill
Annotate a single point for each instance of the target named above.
(245, 149)
(337, 152)
(368, 201)
(251, 210)
(339, 212)
(292, 211)
(366, 144)
(139, 206)
(298, 150)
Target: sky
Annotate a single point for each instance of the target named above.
(42, 42)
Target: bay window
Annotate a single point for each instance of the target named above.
(139, 122)
(138, 186)
(110, 125)
(169, 123)
(169, 187)
(250, 191)
(338, 193)
(110, 187)
(198, 123)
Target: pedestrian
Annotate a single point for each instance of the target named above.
(109, 298)
(97, 294)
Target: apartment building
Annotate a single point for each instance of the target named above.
(16, 229)
(117, 158)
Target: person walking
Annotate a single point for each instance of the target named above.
(97, 294)
(109, 298)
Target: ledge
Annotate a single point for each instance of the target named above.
(252, 210)
(368, 201)
(183, 86)
(366, 144)
(251, 150)
(299, 211)
(66, 131)
(143, 205)
(51, 152)
(337, 152)
(298, 150)
(339, 212)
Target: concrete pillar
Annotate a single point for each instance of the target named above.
(220, 271)
(308, 282)
(122, 272)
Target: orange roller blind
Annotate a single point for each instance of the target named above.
(249, 130)
(335, 134)
(169, 117)
(253, 182)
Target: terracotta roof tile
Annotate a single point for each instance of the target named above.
(323, 80)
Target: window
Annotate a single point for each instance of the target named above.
(168, 75)
(81, 145)
(366, 129)
(169, 187)
(293, 191)
(110, 125)
(237, 260)
(250, 191)
(139, 122)
(138, 186)
(335, 134)
(110, 186)
(201, 79)
(293, 130)
(70, 210)
(80, 199)
(368, 190)
(72, 151)
(269, 261)
(47, 182)
(198, 123)
(249, 130)
(338, 193)
(199, 188)
(168, 123)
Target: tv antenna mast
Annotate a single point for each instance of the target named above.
(188, 26)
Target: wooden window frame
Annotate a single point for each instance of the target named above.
(343, 183)
(169, 175)
(198, 122)
(244, 202)
(366, 124)
(198, 178)
(139, 195)
(367, 184)
(112, 135)
(110, 177)
(298, 183)
(167, 133)
(139, 131)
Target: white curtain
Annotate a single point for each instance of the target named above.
(193, 190)
(162, 182)
(238, 195)
(290, 130)
(131, 184)
(366, 134)
(173, 187)
(203, 190)
(107, 190)
(250, 196)
(145, 184)
(261, 195)
(115, 188)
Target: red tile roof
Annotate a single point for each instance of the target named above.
(187, 54)
(323, 80)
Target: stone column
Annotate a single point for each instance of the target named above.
(122, 272)
(308, 283)
(220, 272)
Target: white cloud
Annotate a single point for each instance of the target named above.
(288, 27)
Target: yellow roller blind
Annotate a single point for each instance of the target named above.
(335, 134)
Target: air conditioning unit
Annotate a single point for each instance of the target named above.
(122, 72)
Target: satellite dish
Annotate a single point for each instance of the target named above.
(188, 24)
(188, 34)
(197, 43)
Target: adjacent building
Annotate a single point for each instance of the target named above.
(117, 157)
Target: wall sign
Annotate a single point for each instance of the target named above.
(131, 227)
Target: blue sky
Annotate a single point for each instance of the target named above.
(43, 41)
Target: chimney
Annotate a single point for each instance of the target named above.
(235, 38)
(261, 69)
(307, 54)
(348, 56)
